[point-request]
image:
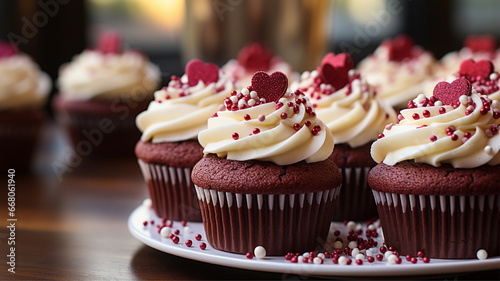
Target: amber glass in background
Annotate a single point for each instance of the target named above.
(296, 30)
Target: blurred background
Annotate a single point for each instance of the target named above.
(300, 31)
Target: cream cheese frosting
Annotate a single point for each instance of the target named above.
(464, 135)
(353, 113)
(97, 75)
(397, 82)
(284, 132)
(179, 112)
(22, 83)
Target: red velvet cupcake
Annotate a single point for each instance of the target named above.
(266, 179)
(23, 92)
(437, 183)
(101, 92)
(168, 148)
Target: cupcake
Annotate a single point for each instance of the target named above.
(168, 148)
(348, 106)
(24, 90)
(266, 179)
(481, 75)
(398, 70)
(482, 47)
(101, 92)
(255, 57)
(436, 184)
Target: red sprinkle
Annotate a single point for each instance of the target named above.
(256, 131)
(203, 246)
(249, 255)
(294, 259)
(398, 261)
(145, 223)
(420, 254)
(380, 257)
(380, 136)
(442, 110)
(176, 232)
(359, 262)
(296, 126)
(370, 259)
(284, 115)
(197, 237)
(247, 117)
(235, 136)
(454, 137)
(415, 116)
(175, 239)
(426, 259)
(426, 113)
(189, 243)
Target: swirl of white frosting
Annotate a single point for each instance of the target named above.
(353, 114)
(463, 136)
(286, 132)
(396, 82)
(93, 74)
(450, 62)
(22, 83)
(180, 112)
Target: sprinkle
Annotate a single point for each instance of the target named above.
(147, 203)
(493, 76)
(318, 260)
(433, 138)
(359, 256)
(482, 254)
(284, 115)
(464, 99)
(380, 136)
(236, 136)
(247, 117)
(337, 245)
(488, 133)
(189, 243)
(245, 91)
(203, 246)
(442, 110)
(342, 260)
(197, 237)
(388, 127)
(259, 252)
(488, 150)
(391, 259)
(352, 244)
(415, 116)
(262, 117)
(256, 131)
(165, 231)
(296, 126)
(249, 256)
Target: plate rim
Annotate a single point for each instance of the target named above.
(447, 266)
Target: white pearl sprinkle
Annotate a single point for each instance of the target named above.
(463, 99)
(354, 252)
(305, 255)
(493, 76)
(263, 100)
(337, 245)
(314, 73)
(369, 252)
(147, 203)
(372, 226)
(495, 104)
(253, 94)
(234, 99)
(438, 103)
(221, 107)
(321, 255)
(259, 252)
(251, 102)
(488, 149)
(187, 230)
(387, 254)
(482, 254)
(351, 72)
(184, 79)
(245, 91)
(352, 245)
(242, 102)
(342, 260)
(359, 257)
(165, 231)
(359, 226)
(351, 225)
(318, 260)
(299, 259)
(391, 259)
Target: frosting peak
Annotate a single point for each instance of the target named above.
(285, 131)
(456, 125)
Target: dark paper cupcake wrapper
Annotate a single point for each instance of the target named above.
(281, 223)
(355, 199)
(171, 191)
(441, 226)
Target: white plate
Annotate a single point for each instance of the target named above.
(150, 236)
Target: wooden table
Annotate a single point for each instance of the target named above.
(76, 229)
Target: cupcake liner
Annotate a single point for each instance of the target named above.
(441, 226)
(120, 140)
(281, 223)
(355, 199)
(171, 191)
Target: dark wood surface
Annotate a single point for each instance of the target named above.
(76, 228)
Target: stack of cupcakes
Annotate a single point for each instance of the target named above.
(23, 92)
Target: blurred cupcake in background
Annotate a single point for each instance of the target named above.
(101, 91)
(252, 58)
(476, 47)
(398, 69)
(24, 89)
(168, 148)
(348, 106)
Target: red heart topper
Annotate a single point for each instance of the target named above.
(110, 43)
(400, 47)
(334, 69)
(7, 50)
(474, 69)
(484, 43)
(272, 88)
(255, 56)
(449, 94)
(197, 70)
